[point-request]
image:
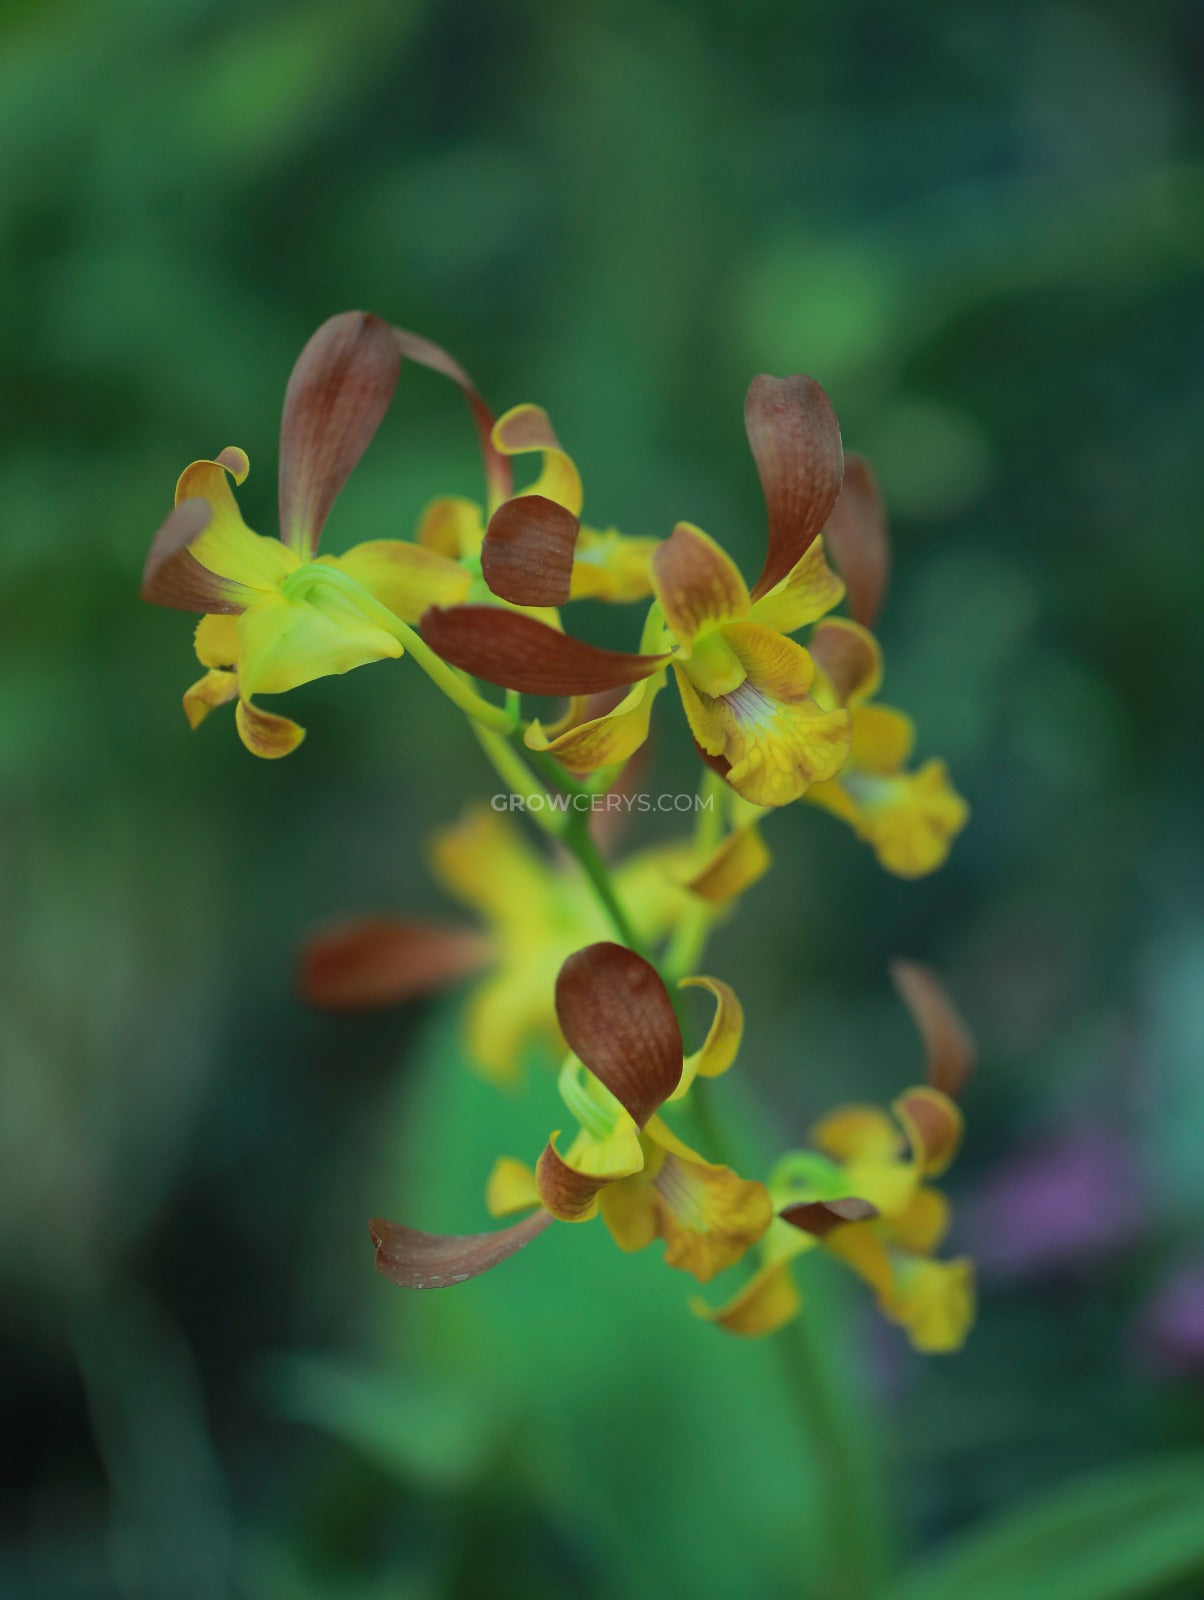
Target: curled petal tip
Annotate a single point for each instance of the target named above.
(172, 576)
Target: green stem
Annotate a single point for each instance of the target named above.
(518, 778)
(854, 1547)
(577, 839)
(690, 936)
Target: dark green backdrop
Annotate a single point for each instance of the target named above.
(982, 227)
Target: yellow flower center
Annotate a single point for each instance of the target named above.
(713, 666)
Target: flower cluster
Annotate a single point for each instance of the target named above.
(589, 957)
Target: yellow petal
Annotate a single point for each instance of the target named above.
(227, 546)
(266, 734)
(723, 1038)
(486, 862)
(707, 1214)
(452, 527)
(736, 865)
(509, 1012)
(216, 688)
(606, 740)
(808, 591)
(697, 584)
(284, 643)
(934, 1301)
(629, 1214)
(526, 428)
(857, 1133)
(511, 1187)
(609, 565)
(882, 739)
(912, 820)
(921, 1226)
(861, 1246)
(216, 640)
(405, 577)
(768, 1301)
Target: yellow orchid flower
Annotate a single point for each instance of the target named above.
(277, 614)
(744, 683)
(862, 1193)
(619, 1022)
(533, 917)
(579, 562)
(909, 816)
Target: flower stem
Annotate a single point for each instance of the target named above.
(578, 840)
(690, 936)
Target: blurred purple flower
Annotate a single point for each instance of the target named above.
(1171, 1330)
(1074, 1197)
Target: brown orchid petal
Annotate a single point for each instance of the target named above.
(337, 394)
(518, 652)
(795, 442)
(858, 540)
(376, 962)
(418, 1260)
(948, 1042)
(527, 556)
(819, 1217)
(848, 656)
(174, 577)
(569, 1195)
(616, 1015)
(498, 473)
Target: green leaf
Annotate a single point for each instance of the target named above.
(1127, 1534)
(425, 1433)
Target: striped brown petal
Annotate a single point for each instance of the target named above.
(498, 473)
(378, 962)
(948, 1042)
(518, 652)
(795, 442)
(418, 1260)
(616, 1015)
(527, 556)
(858, 540)
(819, 1217)
(174, 577)
(337, 394)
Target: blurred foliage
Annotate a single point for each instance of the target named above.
(982, 227)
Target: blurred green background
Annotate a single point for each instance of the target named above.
(982, 227)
